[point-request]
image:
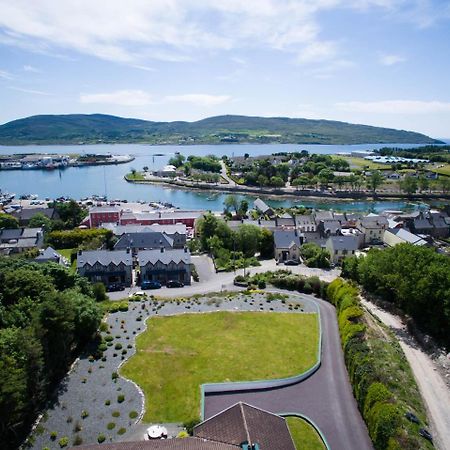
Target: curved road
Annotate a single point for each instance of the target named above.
(326, 397)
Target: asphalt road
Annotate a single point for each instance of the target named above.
(326, 397)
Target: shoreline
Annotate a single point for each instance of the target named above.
(284, 194)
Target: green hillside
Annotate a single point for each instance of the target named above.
(96, 128)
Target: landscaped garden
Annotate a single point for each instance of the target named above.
(176, 354)
(304, 435)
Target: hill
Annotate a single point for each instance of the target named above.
(100, 128)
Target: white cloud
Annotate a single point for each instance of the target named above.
(205, 100)
(6, 75)
(122, 98)
(318, 52)
(391, 59)
(395, 107)
(33, 69)
(29, 91)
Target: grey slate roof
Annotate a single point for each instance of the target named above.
(104, 257)
(422, 224)
(190, 443)
(343, 242)
(285, 239)
(244, 423)
(49, 254)
(261, 206)
(331, 225)
(27, 213)
(406, 236)
(149, 240)
(165, 257)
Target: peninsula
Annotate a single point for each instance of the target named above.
(100, 128)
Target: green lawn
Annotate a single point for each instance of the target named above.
(304, 435)
(176, 354)
(360, 163)
(66, 252)
(138, 176)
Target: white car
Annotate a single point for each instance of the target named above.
(137, 294)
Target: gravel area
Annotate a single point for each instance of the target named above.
(88, 405)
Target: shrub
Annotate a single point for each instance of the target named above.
(108, 338)
(261, 284)
(53, 435)
(190, 425)
(63, 442)
(121, 431)
(118, 346)
(77, 427)
(120, 398)
(84, 414)
(107, 402)
(78, 440)
(114, 376)
(103, 327)
(182, 434)
(115, 414)
(110, 425)
(101, 438)
(133, 414)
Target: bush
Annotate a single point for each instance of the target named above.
(118, 346)
(114, 376)
(115, 414)
(108, 338)
(99, 292)
(190, 425)
(120, 398)
(63, 442)
(261, 284)
(53, 435)
(101, 438)
(121, 431)
(77, 440)
(107, 402)
(133, 414)
(110, 425)
(84, 414)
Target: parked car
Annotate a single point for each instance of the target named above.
(150, 285)
(291, 262)
(174, 284)
(137, 294)
(412, 417)
(425, 434)
(115, 287)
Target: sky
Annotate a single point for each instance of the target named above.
(376, 62)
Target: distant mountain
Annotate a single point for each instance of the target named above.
(100, 128)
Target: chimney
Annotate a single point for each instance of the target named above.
(185, 249)
(128, 249)
(162, 249)
(80, 252)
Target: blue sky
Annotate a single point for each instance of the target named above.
(378, 62)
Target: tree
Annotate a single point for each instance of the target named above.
(276, 181)
(301, 181)
(71, 213)
(262, 180)
(231, 202)
(145, 168)
(423, 182)
(375, 180)
(444, 183)
(40, 220)
(266, 244)
(8, 222)
(248, 238)
(408, 185)
(177, 160)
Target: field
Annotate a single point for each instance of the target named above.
(176, 354)
(304, 435)
(361, 163)
(441, 168)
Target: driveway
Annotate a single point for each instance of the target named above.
(215, 282)
(326, 397)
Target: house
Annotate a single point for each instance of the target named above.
(263, 208)
(373, 227)
(285, 221)
(51, 255)
(99, 215)
(24, 215)
(107, 267)
(329, 227)
(239, 427)
(305, 223)
(20, 239)
(287, 245)
(395, 236)
(168, 171)
(187, 218)
(143, 241)
(340, 247)
(165, 264)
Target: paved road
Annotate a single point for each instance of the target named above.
(215, 282)
(326, 397)
(224, 173)
(433, 388)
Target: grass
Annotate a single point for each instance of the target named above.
(66, 252)
(361, 163)
(304, 435)
(176, 354)
(138, 176)
(445, 170)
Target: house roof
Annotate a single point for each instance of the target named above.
(374, 221)
(407, 236)
(422, 223)
(242, 423)
(165, 256)
(331, 225)
(285, 239)
(261, 206)
(304, 219)
(28, 213)
(323, 215)
(190, 443)
(170, 229)
(151, 239)
(343, 242)
(104, 257)
(48, 254)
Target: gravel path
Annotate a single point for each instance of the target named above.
(433, 388)
(92, 388)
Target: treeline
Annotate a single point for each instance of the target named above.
(415, 279)
(209, 163)
(47, 313)
(382, 382)
(92, 238)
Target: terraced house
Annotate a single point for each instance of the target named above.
(105, 266)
